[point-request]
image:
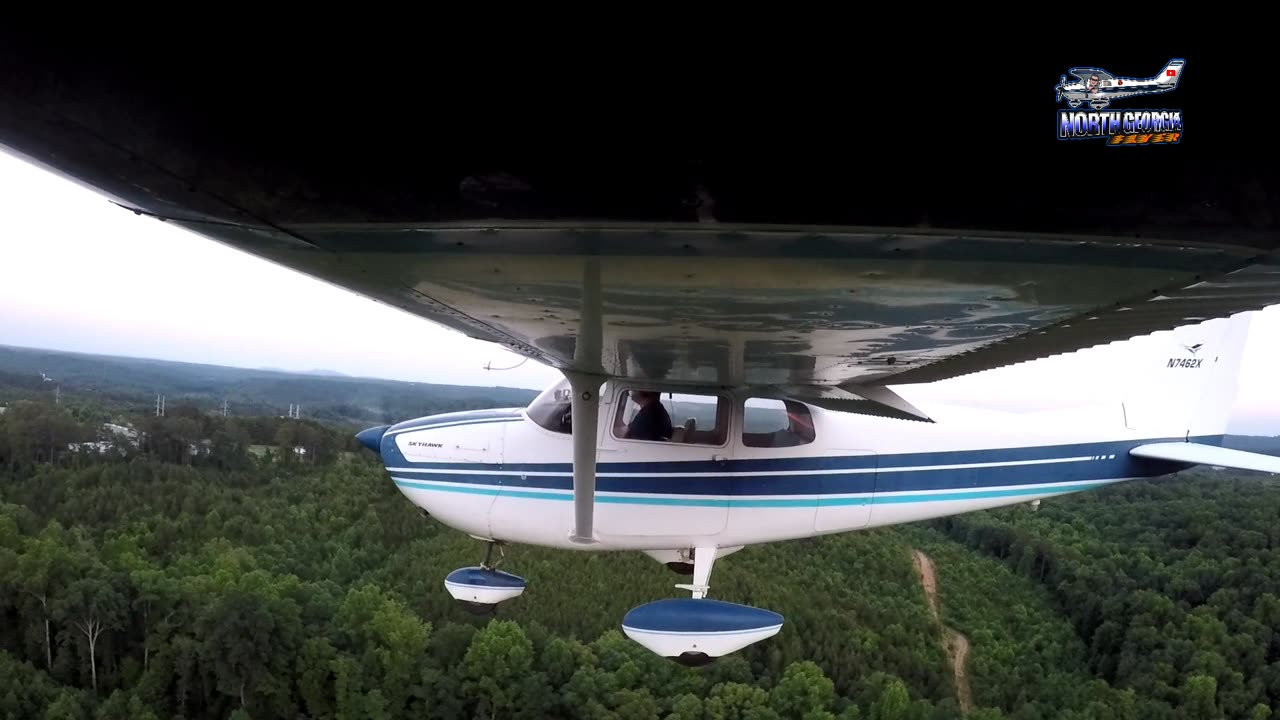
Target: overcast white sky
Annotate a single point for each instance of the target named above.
(78, 273)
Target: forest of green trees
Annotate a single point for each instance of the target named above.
(1173, 585)
(191, 576)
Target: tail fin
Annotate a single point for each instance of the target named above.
(1185, 385)
(1170, 74)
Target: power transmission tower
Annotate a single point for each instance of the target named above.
(159, 406)
(57, 395)
(295, 411)
(224, 407)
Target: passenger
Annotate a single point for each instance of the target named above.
(652, 421)
(799, 431)
(800, 424)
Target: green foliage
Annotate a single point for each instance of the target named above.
(1172, 584)
(36, 433)
(893, 704)
(1025, 658)
(803, 690)
(500, 656)
(159, 582)
(281, 590)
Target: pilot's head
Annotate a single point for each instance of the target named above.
(644, 397)
(1094, 81)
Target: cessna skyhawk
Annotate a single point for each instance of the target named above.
(771, 278)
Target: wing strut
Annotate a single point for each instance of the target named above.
(586, 416)
(586, 405)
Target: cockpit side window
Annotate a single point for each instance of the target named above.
(685, 418)
(553, 408)
(771, 423)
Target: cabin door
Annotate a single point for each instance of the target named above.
(676, 487)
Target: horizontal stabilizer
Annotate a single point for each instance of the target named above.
(1208, 455)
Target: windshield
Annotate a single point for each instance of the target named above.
(552, 407)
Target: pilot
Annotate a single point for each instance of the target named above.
(1094, 82)
(652, 421)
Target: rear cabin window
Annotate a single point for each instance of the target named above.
(685, 418)
(770, 423)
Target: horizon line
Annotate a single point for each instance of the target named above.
(321, 374)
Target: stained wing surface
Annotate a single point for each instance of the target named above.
(827, 261)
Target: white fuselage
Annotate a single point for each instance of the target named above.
(499, 475)
(1079, 92)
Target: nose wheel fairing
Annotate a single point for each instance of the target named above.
(481, 588)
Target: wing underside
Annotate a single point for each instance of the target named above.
(817, 308)
(701, 256)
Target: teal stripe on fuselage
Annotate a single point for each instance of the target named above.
(979, 494)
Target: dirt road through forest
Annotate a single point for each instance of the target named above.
(956, 645)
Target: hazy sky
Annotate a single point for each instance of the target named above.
(79, 273)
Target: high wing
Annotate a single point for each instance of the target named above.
(760, 306)
(826, 260)
(732, 305)
(1084, 73)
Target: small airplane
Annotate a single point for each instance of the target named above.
(743, 467)
(779, 303)
(1100, 88)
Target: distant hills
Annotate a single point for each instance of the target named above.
(131, 384)
(321, 373)
(1254, 443)
(326, 373)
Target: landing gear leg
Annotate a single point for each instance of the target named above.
(488, 555)
(703, 560)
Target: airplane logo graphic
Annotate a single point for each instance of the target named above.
(1193, 349)
(1100, 88)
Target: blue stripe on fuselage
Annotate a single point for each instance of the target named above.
(913, 472)
(845, 462)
